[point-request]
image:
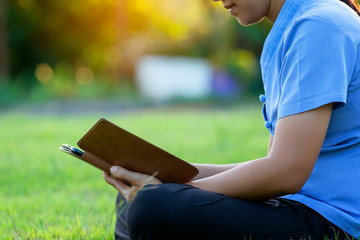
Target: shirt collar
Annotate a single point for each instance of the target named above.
(286, 15)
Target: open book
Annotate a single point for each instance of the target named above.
(106, 145)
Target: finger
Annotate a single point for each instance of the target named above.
(114, 182)
(117, 184)
(133, 178)
(132, 193)
(135, 189)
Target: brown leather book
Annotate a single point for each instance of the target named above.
(107, 144)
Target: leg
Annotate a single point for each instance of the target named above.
(121, 230)
(175, 211)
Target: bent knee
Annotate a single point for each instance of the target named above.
(145, 205)
(152, 209)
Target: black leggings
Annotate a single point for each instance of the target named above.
(177, 211)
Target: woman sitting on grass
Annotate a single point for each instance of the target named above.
(308, 186)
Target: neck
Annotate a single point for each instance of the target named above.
(274, 9)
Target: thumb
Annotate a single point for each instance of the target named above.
(132, 177)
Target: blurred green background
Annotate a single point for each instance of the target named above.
(81, 50)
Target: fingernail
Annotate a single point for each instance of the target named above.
(114, 169)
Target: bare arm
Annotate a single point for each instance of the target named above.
(294, 150)
(207, 170)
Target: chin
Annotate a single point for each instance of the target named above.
(248, 22)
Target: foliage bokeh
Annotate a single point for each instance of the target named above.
(65, 45)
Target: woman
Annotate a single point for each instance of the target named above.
(307, 187)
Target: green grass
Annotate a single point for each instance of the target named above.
(46, 194)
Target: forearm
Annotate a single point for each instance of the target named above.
(258, 179)
(207, 170)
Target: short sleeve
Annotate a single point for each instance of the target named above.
(317, 67)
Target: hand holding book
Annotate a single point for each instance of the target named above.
(128, 183)
(106, 145)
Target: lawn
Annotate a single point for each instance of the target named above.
(46, 194)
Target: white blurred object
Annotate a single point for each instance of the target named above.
(161, 78)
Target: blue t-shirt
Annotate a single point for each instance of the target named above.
(311, 58)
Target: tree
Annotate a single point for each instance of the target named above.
(4, 54)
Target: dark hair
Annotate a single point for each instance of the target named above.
(353, 4)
